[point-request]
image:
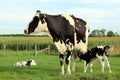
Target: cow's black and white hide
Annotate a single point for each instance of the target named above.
(67, 32)
(25, 63)
(99, 52)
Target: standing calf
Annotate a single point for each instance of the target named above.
(99, 52)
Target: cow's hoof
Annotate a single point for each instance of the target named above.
(73, 70)
(61, 73)
(84, 71)
(110, 71)
(68, 73)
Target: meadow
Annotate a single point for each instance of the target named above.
(48, 66)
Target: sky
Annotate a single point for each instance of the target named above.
(16, 14)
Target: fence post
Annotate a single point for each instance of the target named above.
(26, 47)
(4, 48)
(17, 48)
(48, 49)
(35, 50)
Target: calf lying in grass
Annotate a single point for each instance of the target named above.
(99, 52)
(25, 63)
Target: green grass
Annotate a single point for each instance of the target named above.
(48, 68)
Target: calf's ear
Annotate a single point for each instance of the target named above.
(28, 63)
(107, 47)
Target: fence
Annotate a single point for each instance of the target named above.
(36, 47)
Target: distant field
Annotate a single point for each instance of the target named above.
(94, 41)
(11, 42)
(27, 39)
(48, 68)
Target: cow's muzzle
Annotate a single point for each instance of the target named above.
(26, 31)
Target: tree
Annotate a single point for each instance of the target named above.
(110, 33)
(97, 33)
(102, 32)
(116, 34)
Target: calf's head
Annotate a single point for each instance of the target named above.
(31, 63)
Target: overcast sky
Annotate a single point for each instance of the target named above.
(16, 14)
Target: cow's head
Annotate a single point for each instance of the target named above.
(37, 25)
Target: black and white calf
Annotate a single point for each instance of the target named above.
(25, 63)
(67, 32)
(99, 52)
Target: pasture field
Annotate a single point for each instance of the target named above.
(48, 68)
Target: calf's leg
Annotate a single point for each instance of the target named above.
(107, 63)
(85, 66)
(91, 65)
(101, 59)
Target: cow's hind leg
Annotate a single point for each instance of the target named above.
(61, 56)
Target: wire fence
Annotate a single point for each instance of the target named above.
(49, 48)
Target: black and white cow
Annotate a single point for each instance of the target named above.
(67, 32)
(99, 52)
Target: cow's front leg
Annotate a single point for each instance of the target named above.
(61, 56)
(68, 61)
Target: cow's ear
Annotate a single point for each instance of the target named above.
(38, 11)
(42, 18)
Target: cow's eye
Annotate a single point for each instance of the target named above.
(33, 24)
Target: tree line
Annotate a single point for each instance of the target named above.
(94, 33)
(103, 33)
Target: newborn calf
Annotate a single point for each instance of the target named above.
(25, 63)
(99, 52)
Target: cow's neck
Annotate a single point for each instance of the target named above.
(58, 30)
